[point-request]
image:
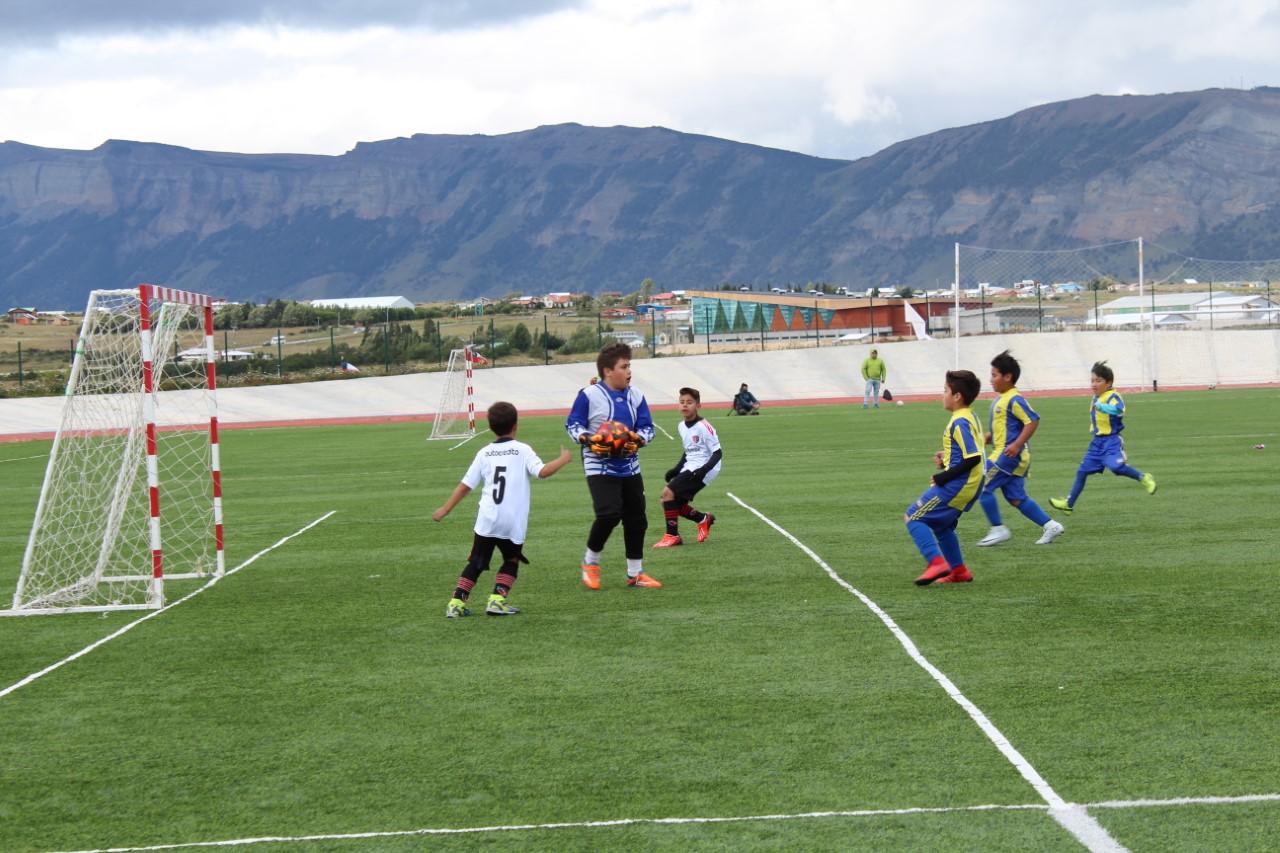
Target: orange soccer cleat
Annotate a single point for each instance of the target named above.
(704, 526)
(937, 570)
(960, 574)
(668, 541)
(642, 580)
(591, 575)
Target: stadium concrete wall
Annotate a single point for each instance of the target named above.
(1051, 362)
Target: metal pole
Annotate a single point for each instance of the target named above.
(1039, 309)
(956, 323)
(333, 351)
(817, 338)
(546, 342)
(386, 343)
(279, 351)
(20, 359)
(984, 309)
(1211, 304)
(1155, 361)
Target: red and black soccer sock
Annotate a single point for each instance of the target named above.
(692, 514)
(506, 578)
(465, 585)
(671, 511)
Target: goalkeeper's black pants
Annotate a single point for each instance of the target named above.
(618, 499)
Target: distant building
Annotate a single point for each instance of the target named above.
(357, 302)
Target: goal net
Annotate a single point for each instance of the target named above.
(132, 490)
(456, 414)
(1168, 319)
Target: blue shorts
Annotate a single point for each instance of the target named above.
(1013, 487)
(1106, 452)
(934, 509)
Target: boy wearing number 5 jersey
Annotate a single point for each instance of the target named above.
(505, 468)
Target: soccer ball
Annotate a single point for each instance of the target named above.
(900, 403)
(613, 434)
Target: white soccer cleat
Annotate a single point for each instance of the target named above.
(995, 536)
(1052, 530)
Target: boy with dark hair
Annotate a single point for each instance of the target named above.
(505, 467)
(932, 519)
(699, 464)
(1106, 449)
(617, 489)
(1013, 422)
(745, 403)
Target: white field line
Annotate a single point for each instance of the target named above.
(22, 458)
(129, 627)
(400, 833)
(663, 431)
(1073, 818)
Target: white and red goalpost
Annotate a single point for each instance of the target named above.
(456, 415)
(132, 493)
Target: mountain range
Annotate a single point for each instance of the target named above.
(573, 208)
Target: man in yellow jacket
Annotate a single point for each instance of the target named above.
(875, 373)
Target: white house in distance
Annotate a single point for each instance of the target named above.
(1186, 309)
(358, 302)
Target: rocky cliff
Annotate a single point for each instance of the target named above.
(576, 208)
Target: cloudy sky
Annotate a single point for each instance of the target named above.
(832, 78)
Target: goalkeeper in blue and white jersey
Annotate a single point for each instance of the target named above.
(617, 489)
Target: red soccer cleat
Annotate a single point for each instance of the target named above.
(960, 574)
(937, 570)
(668, 541)
(704, 527)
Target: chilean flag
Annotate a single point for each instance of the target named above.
(476, 358)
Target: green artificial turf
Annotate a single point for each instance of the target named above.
(319, 690)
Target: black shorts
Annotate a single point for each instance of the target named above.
(482, 548)
(619, 497)
(685, 485)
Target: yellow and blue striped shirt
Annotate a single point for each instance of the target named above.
(963, 440)
(1010, 414)
(1102, 423)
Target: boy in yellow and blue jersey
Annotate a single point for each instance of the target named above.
(1106, 450)
(1013, 422)
(932, 519)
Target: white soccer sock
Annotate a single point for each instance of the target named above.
(592, 558)
(634, 567)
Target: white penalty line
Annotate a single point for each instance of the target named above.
(1073, 818)
(664, 432)
(154, 613)
(401, 833)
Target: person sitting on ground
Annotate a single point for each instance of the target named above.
(745, 403)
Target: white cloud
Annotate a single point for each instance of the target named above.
(819, 76)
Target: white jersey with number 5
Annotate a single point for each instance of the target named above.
(505, 469)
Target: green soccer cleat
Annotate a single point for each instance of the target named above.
(1060, 503)
(1148, 483)
(498, 606)
(457, 609)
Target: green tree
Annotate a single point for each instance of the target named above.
(298, 314)
(520, 339)
(904, 291)
(646, 290)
